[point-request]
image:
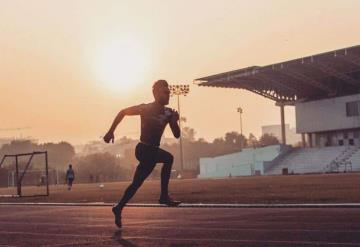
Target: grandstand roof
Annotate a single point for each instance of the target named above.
(330, 74)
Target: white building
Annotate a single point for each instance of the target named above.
(329, 122)
(250, 161)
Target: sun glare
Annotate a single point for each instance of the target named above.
(122, 65)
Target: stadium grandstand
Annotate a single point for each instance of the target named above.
(325, 90)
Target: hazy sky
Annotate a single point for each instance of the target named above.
(68, 67)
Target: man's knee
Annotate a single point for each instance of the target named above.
(170, 159)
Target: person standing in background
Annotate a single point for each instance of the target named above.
(70, 176)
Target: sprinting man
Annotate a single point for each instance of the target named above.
(154, 118)
(70, 176)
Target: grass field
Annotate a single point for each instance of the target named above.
(325, 188)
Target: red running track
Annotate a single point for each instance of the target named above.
(179, 227)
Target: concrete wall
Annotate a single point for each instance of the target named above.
(325, 115)
(243, 163)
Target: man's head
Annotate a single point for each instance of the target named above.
(161, 92)
(70, 166)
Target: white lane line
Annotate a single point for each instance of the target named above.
(111, 238)
(195, 205)
(185, 227)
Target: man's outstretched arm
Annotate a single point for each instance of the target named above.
(174, 124)
(133, 110)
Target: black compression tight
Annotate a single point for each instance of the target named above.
(148, 157)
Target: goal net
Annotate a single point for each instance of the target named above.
(25, 174)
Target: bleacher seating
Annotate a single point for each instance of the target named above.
(272, 160)
(355, 159)
(308, 160)
(245, 163)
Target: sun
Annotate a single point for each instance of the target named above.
(122, 65)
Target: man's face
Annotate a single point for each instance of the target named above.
(163, 95)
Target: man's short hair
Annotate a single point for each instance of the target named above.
(159, 84)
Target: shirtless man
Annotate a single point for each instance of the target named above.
(154, 118)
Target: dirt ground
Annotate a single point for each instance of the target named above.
(325, 188)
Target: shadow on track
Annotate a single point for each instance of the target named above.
(117, 236)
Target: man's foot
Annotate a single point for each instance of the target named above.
(169, 201)
(117, 214)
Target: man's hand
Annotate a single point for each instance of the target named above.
(174, 116)
(109, 137)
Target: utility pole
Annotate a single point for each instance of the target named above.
(240, 111)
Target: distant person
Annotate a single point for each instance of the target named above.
(154, 118)
(70, 176)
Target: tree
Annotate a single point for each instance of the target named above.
(218, 141)
(60, 154)
(188, 134)
(18, 146)
(100, 167)
(268, 139)
(236, 139)
(252, 141)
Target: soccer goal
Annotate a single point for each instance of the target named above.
(27, 174)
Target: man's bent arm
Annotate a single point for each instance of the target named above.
(133, 110)
(116, 121)
(174, 124)
(175, 128)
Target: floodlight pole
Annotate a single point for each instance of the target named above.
(47, 173)
(180, 90)
(181, 142)
(18, 185)
(240, 111)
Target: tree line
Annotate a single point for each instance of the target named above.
(105, 165)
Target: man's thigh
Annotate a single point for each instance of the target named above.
(163, 156)
(143, 170)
